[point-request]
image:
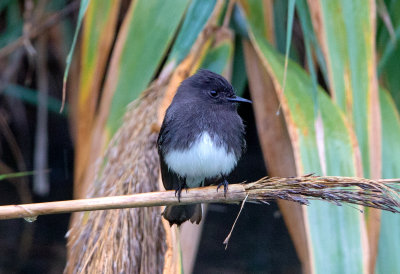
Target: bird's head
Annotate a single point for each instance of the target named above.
(207, 87)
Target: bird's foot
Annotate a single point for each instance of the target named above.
(179, 190)
(225, 184)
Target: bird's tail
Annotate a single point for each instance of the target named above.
(179, 214)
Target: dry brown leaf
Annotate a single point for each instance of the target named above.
(277, 148)
(89, 91)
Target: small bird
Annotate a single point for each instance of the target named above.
(201, 139)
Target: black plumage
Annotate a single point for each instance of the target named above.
(204, 102)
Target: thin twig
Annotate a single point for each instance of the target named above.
(228, 13)
(385, 16)
(41, 185)
(16, 152)
(226, 241)
(380, 194)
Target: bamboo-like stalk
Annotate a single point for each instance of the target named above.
(381, 194)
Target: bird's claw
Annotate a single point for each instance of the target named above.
(179, 190)
(225, 184)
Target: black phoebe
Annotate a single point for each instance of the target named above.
(201, 139)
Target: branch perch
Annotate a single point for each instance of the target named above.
(381, 194)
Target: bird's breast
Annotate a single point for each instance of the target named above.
(205, 158)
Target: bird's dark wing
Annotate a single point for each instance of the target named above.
(171, 180)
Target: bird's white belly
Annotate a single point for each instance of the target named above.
(204, 159)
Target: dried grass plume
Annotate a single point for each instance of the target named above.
(112, 241)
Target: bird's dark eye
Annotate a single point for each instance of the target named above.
(213, 93)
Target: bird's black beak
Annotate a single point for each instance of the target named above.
(239, 100)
